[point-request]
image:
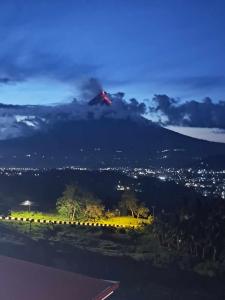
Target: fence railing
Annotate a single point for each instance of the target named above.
(76, 223)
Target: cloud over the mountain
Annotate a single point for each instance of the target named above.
(190, 113)
(20, 120)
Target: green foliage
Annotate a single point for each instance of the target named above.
(150, 219)
(70, 204)
(130, 204)
(77, 205)
(142, 211)
(110, 214)
(94, 210)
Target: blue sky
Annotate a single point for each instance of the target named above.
(140, 47)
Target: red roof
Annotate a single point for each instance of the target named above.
(21, 280)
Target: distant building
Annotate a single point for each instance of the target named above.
(21, 280)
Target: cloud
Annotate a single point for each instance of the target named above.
(209, 134)
(10, 127)
(4, 80)
(21, 65)
(191, 113)
(23, 120)
(120, 109)
(199, 82)
(90, 88)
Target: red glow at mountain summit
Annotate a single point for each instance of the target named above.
(102, 98)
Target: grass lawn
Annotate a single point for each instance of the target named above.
(126, 221)
(37, 216)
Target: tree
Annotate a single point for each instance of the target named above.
(94, 209)
(110, 214)
(70, 204)
(129, 202)
(142, 211)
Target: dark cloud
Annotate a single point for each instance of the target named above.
(137, 107)
(199, 82)
(90, 88)
(191, 113)
(120, 109)
(21, 65)
(4, 80)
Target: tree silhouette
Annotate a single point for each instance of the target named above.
(71, 203)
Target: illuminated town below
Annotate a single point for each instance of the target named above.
(206, 182)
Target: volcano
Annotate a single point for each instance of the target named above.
(102, 98)
(106, 142)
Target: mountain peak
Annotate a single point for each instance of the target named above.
(102, 98)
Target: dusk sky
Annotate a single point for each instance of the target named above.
(140, 47)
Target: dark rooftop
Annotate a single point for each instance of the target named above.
(28, 281)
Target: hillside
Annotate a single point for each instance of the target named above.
(106, 142)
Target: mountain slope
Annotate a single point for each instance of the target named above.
(106, 142)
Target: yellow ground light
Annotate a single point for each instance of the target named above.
(124, 221)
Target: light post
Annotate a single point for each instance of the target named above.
(27, 203)
(30, 226)
(153, 210)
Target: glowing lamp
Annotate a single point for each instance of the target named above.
(27, 203)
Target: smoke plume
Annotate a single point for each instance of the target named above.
(90, 88)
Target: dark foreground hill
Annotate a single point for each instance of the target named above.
(106, 142)
(44, 187)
